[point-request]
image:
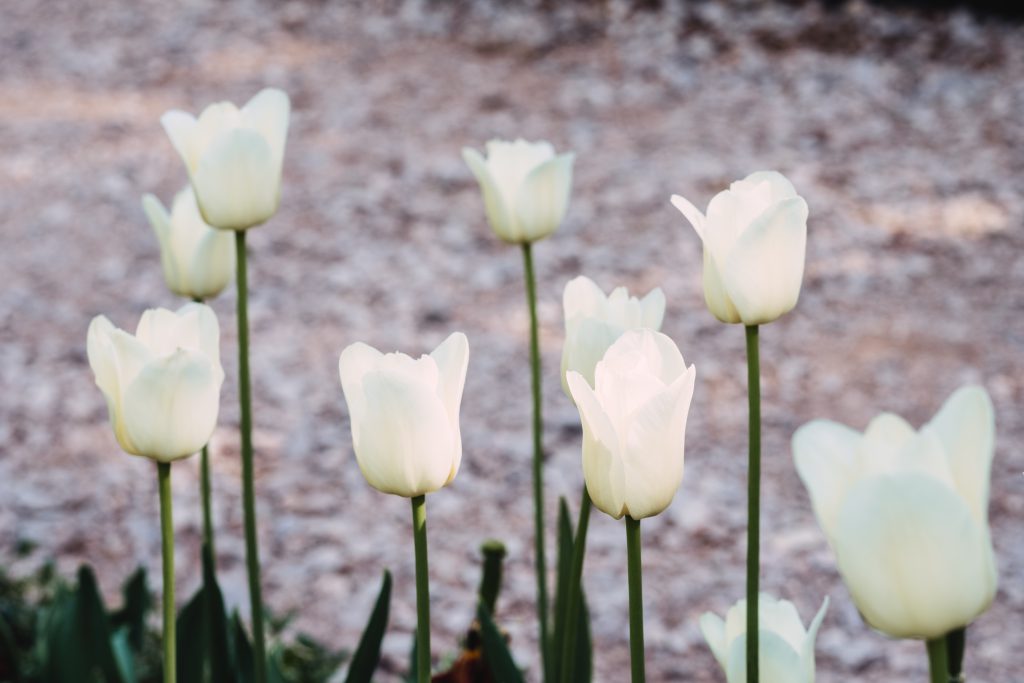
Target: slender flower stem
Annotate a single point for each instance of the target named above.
(252, 558)
(938, 662)
(163, 471)
(753, 501)
(956, 643)
(636, 601)
(204, 487)
(538, 464)
(575, 590)
(419, 535)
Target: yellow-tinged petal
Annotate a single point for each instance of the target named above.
(543, 198)
(237, 182)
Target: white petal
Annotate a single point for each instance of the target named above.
(355, 361)
(691, 212)
(582, 298)
(268, 112)
(777, 661)
(715, 297)
(498, 213)
(237, 181)
(160, 221)
(713, 629)
(452, 358)
(765, 268)
(180, 127)
(653, 309)
(825, 455)
(543, 198)
(807, 651)
(603, 472)
(778, 186)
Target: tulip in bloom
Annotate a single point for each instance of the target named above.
(634, 424)
(162, 385)
(755, 236)
(525, 187)
(785, 648)
(405, 414)
(234, 157)
(198, 261)
(594, 321)
(906, 513)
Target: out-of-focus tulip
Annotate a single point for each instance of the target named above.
(162, 385)
(405, 414)
(785, 648)
(198, 261)
(525, 186)
(906, 513)
(634, 424)
(594, 321)
(234, 157)
(755, 237)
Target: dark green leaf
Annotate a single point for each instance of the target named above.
(564, 572)
(137, 603)
(495, 650)
(191, 642)
(367, 654)
(241, 651)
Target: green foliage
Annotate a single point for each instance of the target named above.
(582, 669)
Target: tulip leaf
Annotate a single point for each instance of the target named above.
(190, 656)
(582, 649)
(414, 668)
(241, 652)
(122, 647)
(495, 650)
(137, 603)
(367, 655)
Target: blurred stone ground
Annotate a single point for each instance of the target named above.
(902, 129)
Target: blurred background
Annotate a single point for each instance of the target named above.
(901, 124)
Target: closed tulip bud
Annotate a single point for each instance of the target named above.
(234, 157)
(594, 321)
(525, 187)
(634, 424)
(405, 414)
(198, 261)
(162, 385)
(785, 648)
(906, 513)
(755, 236)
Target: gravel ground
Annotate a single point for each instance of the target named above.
(903, 131)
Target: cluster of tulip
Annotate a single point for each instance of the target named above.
(904, 511)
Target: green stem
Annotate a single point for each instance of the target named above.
(248, 487)
(538, 464)
(205, 488)
(956, 644)
(753, 501)
(575, 589)
(636, 601)
(938, 662)
(419, 535)
(163, 471)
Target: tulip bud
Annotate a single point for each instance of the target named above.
(785, 649)
(162, 385)
(755, 236)
(525, 187)
(234, 157)
(594, 321)
(198, 261)
(405, 414)
(634, 424)
(906, 513)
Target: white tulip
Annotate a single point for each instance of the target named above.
(594, 321)
(234, 157)
(755, 238)
(525, 187)
(785, 648)
(162, 385)
(906, 513)
(405, 414)
(634, 424)
(198, 261)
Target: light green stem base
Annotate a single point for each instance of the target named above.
(163, 470)
(419, 535)
(753, 502)
(248, 487)
(636, 601)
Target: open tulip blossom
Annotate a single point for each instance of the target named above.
(786, 650)
(525, 187)
(906, 513)
(234, 157)
(162, 384)
(755, 236)
(594, 321)
(198, 261)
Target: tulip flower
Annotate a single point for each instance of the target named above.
(198, 261)
(787, 649)
(162, 385)
(405, 414)
(234, 157)
(525, 187)
(634, 424)
(906, 513)
(755, 236)
(593, 322)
